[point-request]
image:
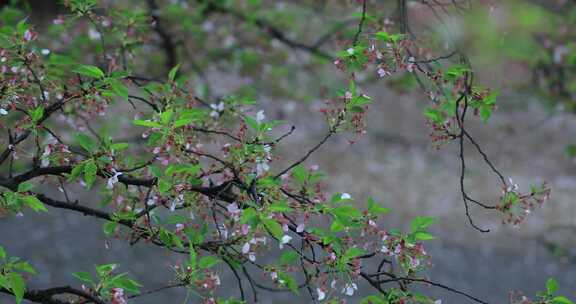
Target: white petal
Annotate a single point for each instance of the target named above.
(246, 248)
(286, 239)
(260, 116)
(345, 196)
(300, 227)
(321, 294)
(233, 207)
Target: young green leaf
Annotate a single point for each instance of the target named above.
(551, 286)
(561, 300)
(423, 236)
(90, 170)
(34, 203)
(375, 209)
(25, 186)
(273, 227)
(288, 257)
(172, 73)
(119, 88)
(421, 222)
(89, 70)
(146, 123)
(37, 114)
(208, 261)
(17, 285)
(86, 142)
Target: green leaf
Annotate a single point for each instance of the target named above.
(25, 186)
(249, 216)
(434, 115)
(551, 286)
(352, 253)
(119, 88)
(208, 261)
(182, 122)
(336, 226)
(421, 222)
(288, 257)
(83, 276)
(188, 169)
(17, 285)
(273, 227)
(373, 299)
(86, 142)
(166, 116)
(423, 236)
(37, 114)
(89, 70)
(119, 146)
(60, 60)
(146, 123)
(2, 253)
(386, 37)
(76, 171)
(288, 281)
(561, 300)
(105, 269)
(299, 173)
(21, 27)
(485, 113)
(280, 206)
(570, 150)
(34, 203)
(346, 211)
(375, 208)
(164, 185)
(90, 170)
(172, 73)
(166, 237)
(110, 227)
(192, 258)
(193, 114)
(4, 283)
(24, 266)
(122, 281)
(252, 123)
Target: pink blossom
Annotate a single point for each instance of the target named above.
(118, 296)
(300, 227)
(28, 35)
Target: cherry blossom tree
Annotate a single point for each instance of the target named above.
(113, 99)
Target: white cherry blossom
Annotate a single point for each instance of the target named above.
(114, 179)
(321, 294)
(260, 116)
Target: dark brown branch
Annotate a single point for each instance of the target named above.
(448, 288)
(329, 134)
(168, 44)
(268, 28)
(360, 24)
(45, 296)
